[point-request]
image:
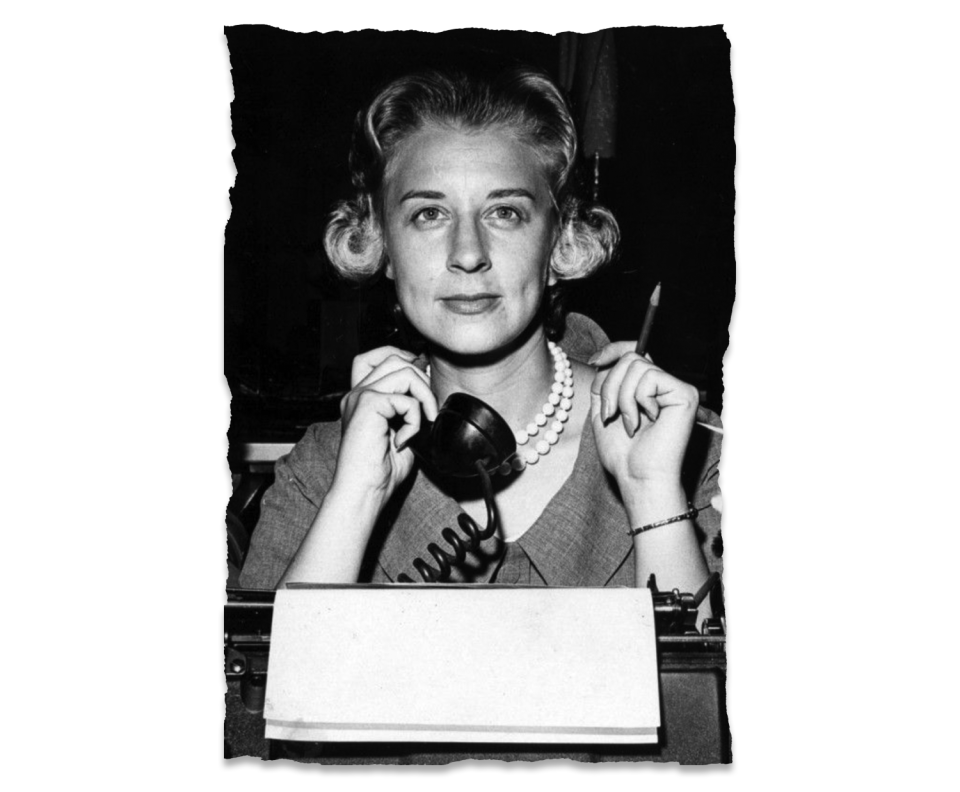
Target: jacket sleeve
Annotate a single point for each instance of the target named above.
(289, 506)
(702, 482)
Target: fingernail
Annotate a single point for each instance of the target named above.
(606, 410)
(630, 426)
(404, 444)
(593, 358)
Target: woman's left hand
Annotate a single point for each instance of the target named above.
(642, 416)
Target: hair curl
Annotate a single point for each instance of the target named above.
(520, 98)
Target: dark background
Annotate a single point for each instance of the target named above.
(292, 327)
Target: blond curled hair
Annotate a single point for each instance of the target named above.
(522, 99)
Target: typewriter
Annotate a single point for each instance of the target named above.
(691, 669)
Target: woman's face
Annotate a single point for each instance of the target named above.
(469, 226)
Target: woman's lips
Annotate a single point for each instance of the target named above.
(469, 303)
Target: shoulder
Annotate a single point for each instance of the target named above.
(309, 466)
(701, 465)
(582, 337)
(318, 447)
(301, 480)
(709, 443)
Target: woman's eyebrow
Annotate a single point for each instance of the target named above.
(514, 192)
(435, 195)
(431, 195)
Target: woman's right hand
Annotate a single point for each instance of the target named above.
(380, 414)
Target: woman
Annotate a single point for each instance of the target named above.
(465, 201)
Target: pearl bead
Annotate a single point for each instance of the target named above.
(558, 405)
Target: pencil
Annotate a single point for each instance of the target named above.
(648, 321)
(645, 338)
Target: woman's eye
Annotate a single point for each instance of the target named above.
(506, 215)
(427, 215)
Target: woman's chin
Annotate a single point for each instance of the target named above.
(477, 342)
(469, 347)
(483, 334)
(466, 338)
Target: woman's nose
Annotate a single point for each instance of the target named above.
(469, 250)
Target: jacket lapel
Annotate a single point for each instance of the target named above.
(581, 539)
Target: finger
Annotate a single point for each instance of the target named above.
(597, 412)
(389, 365)
(646, 391)
(365, 363)
(390, 406)
(611, 353)
(658, 390)
(627, 399)
(409, 408)
(595, 387)
(610, 390)
(410, 381)
(598, 379)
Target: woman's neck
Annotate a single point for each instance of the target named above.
(515, 384)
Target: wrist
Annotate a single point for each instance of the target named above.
(366, 501)
(650, 501)
(333, 548)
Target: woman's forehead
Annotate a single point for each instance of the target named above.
(437, 155)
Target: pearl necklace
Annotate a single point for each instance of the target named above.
(557, 406)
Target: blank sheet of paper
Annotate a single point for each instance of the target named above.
(463, 664)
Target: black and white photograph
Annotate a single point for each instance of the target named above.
(478, 287)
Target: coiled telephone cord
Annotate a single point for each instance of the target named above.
(475, 535)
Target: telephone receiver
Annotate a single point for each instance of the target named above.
(469, 438)
(467, 432)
